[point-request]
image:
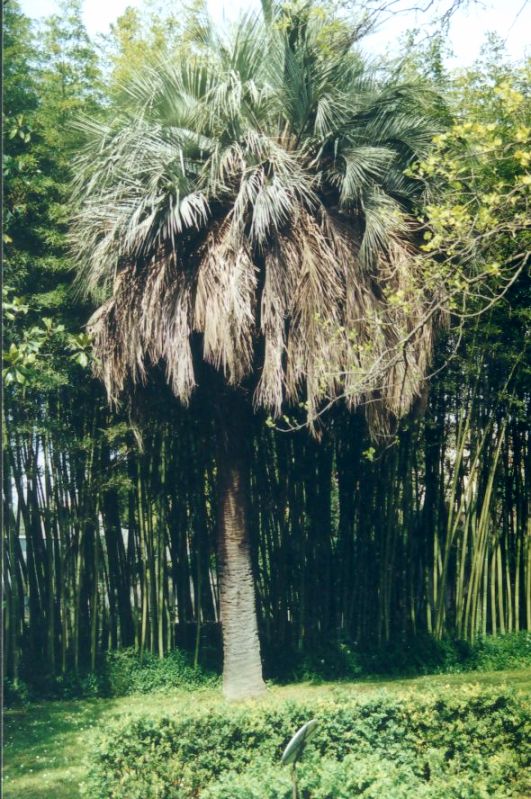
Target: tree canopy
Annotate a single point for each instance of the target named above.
(254, 192)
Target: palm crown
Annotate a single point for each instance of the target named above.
(254, 193)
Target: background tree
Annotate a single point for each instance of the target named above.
(143, 36)
(43, 92)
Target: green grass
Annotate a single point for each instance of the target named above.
(45, 743)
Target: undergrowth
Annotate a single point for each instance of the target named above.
(124, 672)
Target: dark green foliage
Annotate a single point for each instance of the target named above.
(125, 673)
(16, 693)
(501, 652)
(427, 655)
(418, 655)
(392, 744)
(118, 674)
(51, 78)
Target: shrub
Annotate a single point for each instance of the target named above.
(495, 652)
(124, 673)
(15, 694)
(329, 660)
(472, 735)
(118, 674)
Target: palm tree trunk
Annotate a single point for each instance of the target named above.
(242, 665)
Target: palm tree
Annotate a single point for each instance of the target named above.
(246, 213)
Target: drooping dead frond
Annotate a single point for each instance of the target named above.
(328, 327)
(166, 325)
(315, 312)
(148, 319)
(333, 329)
(225, 303)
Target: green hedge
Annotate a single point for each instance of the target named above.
(374, 777)
(442, 745)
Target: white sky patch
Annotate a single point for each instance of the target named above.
(510, 19)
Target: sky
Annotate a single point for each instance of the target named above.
(510, 19)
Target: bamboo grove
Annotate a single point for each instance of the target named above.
(424, 534)
(109, 519)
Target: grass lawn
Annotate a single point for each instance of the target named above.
(45, 744)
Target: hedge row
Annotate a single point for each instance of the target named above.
(471, 742)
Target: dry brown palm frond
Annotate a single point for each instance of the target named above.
(224, 307)
(314, 340)
(329, 328)
(146, 320)
(276, 293)
(165, 324)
